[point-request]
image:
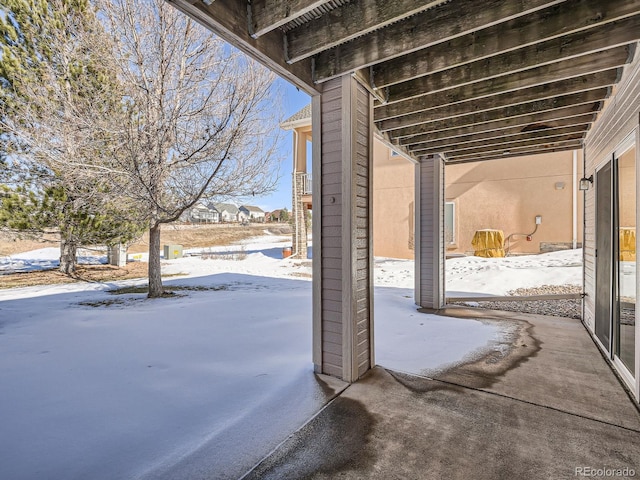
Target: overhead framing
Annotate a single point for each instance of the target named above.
(465, 79)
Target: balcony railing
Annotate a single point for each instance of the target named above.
(306, 184)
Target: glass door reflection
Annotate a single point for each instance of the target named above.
(625, 301)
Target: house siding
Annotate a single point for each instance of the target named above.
(430, 238)
(619, 119)
(331, 240)
(344, 296)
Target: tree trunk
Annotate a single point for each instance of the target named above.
(155, 275)
(67, 256)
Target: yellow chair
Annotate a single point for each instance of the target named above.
(628, 244)
(488, 243)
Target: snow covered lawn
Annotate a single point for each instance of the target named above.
(98, 385)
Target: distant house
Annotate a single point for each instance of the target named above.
(280, 215)
(227, 211)
(201, 213)
(251, 214)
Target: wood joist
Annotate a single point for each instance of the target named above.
(461, 78)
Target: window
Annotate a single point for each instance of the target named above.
(450, 223)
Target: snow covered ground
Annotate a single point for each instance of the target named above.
(103, 386)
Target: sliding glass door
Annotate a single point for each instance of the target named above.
(604, 253)
(616, 214)
(625, 260)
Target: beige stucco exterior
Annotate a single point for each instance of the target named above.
(393, 203)
(508, 194)
(502, 194)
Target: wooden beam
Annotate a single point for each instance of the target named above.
(439, 58)
(360, 17)
(228, 19)
(525, 151)
(420, 95)
(364, 77)
(548, 117)
(500, 148)
(554, 118)
(499, 139)
(591, 97)
(267, 15)
(502, 100)
(411, 35)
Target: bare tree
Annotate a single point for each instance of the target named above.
(201, 121)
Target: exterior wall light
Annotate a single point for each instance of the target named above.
(585, 183)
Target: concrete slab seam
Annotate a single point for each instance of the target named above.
(584, 417)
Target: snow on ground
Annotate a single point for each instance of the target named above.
(43, 259)
(103, 386)
(496, 276)
(469, 276)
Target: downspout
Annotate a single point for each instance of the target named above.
(574, 183)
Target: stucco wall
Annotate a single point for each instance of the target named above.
(507, 195)
(501, 194)
(393, 207)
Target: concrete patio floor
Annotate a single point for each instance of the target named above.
(548, 407)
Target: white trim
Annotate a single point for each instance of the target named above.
(453, 226)
(624, 373)
(574, 197)
(637, 366)
(623, 147)
(630, 141)
(316, 232)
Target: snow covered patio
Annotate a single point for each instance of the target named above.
(106, 386)
(550, 409)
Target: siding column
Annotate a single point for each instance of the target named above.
(429, 244)
(342, 237)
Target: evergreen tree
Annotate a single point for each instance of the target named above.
(58, 100)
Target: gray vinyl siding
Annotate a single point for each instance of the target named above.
(619, 119)
(430, 233)
(331, 235)
(361, 230)
(344, 310)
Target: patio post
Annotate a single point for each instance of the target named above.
(342, 240)
(429, 236)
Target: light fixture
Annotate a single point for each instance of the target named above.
(586, 182)
(208, 2)
(559, 185)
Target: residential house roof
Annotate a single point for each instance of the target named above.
(251, 208)
(298, 119)
(229, 207)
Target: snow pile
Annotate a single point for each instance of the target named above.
(44, 259)
(497, 276)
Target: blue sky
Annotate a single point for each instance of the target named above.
(292, 101)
